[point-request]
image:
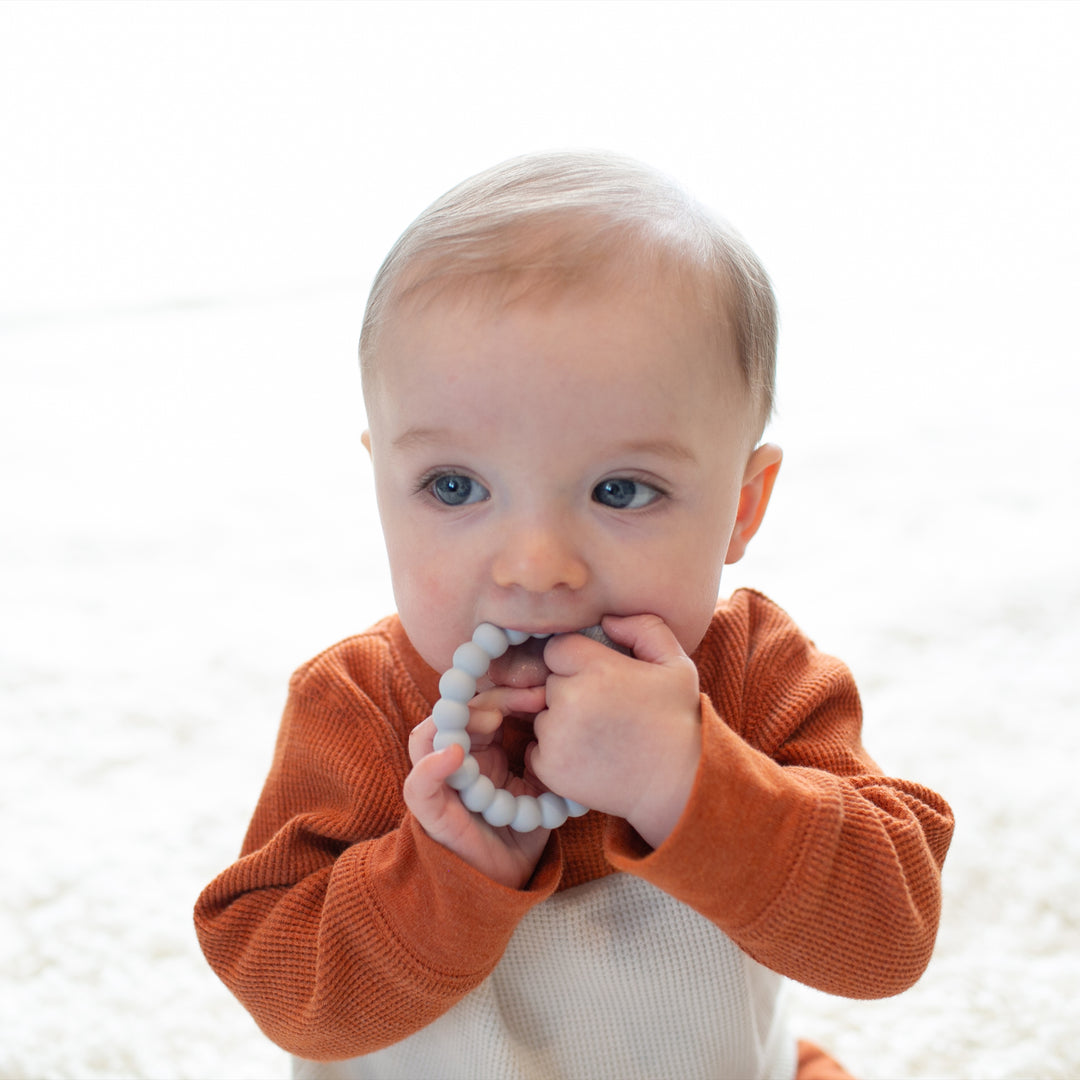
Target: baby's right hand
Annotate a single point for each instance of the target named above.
(504, 855)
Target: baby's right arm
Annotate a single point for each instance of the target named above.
(344, 927)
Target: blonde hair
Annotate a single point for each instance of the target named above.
(570, 219)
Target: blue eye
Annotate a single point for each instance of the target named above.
(622, 494)
(454, 489)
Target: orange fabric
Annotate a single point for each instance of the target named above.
(344, 928)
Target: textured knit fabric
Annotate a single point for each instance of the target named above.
(344, 928)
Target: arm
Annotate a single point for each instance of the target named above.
(343, 927)
(792, 841)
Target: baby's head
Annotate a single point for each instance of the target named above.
(545, 225)
(567, 365)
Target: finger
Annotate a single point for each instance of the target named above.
(648, 635)
(510, 699)
(425, 791)
(483, 725)
(532, 783)
(420, 740)
(488, 710)
(567, 654)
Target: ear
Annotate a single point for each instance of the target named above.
(366, 440)
(757, 485)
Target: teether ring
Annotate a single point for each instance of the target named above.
(497, 806)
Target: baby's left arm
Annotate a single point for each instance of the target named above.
(792, 841)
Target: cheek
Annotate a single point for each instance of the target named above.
(690, 604)
(433, 600)
(681, 582)
(422, 588)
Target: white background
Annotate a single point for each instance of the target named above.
(193, 200)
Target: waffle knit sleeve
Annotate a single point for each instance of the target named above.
(343, 927)
(793, 842)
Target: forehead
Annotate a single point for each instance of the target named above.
(574, 359)
(689, 308)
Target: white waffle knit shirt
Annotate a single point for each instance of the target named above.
(611, 979)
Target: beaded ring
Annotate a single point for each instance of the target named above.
(497, 806)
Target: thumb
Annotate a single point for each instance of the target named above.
(648, 636)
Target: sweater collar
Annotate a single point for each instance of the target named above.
(423, 675)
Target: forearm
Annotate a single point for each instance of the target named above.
(363, 950)
(857, 915)
(831, 880)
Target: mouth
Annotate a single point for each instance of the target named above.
(522, 666)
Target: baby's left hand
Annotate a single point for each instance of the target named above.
(621, 734)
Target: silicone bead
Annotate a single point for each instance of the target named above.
(471, 659)
(491, 639)
(596, 633)
(464, 776)
(443, 739)
(552, 810)
(527, 816)
(575, 809)
(516, 637)
(457, 685)
(501, 810)
(450, 714)
(478, 795)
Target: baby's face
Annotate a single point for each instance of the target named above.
(539, 467)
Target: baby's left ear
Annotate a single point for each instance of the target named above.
(757, 485)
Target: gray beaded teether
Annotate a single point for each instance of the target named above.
(499, 807)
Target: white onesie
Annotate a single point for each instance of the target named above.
(610, 979)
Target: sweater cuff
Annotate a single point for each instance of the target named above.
(738, 838)
(446, 915)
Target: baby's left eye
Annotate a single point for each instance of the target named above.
(622, 494)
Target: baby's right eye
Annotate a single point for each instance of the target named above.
(453, 489)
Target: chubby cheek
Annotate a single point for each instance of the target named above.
(688, 615)
(417, 583)
(684, 593)
(430, 603)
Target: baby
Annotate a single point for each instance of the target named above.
(568, 366)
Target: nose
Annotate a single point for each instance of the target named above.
(538, 559)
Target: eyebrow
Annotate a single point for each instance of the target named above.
(665, 448)
(420, 436)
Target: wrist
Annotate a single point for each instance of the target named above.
(664, 799)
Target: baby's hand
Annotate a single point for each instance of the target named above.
(504, 855)
(621, 734)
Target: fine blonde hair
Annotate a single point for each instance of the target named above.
(564, 220)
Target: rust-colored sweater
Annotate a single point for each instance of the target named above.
(344, 928)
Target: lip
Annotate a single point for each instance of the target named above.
(542, 633)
